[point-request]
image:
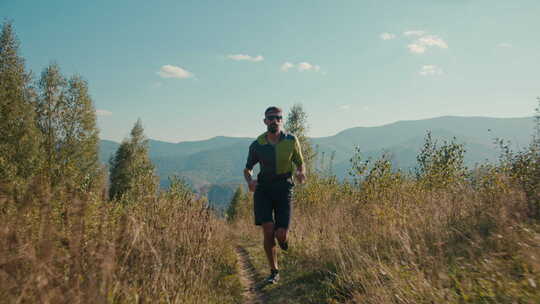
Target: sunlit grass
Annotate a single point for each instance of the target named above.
(67, 248)
(441, 236)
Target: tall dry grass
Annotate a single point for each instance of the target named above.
(61, 247)
(409, 244)
(444, 236)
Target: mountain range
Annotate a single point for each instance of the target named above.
(214, 166)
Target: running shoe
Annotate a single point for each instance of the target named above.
(283, 245)
(273, 278)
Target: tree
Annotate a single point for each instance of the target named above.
(440, 165)
(79, 145)
(51, 106)
(19, 144)
(524, 166)
(296, 124)
(236, 204)
(131, 170)
(67, 120)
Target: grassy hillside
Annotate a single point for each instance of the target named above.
(449, 235)
(58, 247)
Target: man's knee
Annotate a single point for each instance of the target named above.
(268, 230)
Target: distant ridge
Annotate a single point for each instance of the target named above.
(219, 161)
(440, 118)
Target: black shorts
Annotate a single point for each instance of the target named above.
(273, 203)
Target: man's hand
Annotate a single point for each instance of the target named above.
(252, 185)
(300, 177)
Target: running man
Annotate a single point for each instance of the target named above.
(275, 151)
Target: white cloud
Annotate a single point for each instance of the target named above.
(387, 36)
(414, 33)
(156, 85)
(301, 67)
(103, 113)
(430, 70)
(171, 71)
(505, 45)
(286, 66)
(421, 44)
(306, 66)
(345, 107)
(242, 57)
(416, 48)
(432, 40)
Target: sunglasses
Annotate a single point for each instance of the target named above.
(272, 117)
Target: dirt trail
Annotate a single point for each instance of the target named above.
(248, 278)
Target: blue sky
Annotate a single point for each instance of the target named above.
(192, 70)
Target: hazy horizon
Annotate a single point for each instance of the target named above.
(317, 137)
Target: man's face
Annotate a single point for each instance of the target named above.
(273, 121)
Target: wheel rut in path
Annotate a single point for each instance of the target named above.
(248, 278)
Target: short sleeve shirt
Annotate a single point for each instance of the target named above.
(276, 161)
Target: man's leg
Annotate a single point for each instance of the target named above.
(281, 235)
(270, 244)
(283, 199)
(263, 216)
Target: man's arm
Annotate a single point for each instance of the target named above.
(301, 173)
(248, 171)
(298, 159)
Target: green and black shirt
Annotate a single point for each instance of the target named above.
(276, 161)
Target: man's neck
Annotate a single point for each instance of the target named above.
(273, 137)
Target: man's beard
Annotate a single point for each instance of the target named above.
(273, 128)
